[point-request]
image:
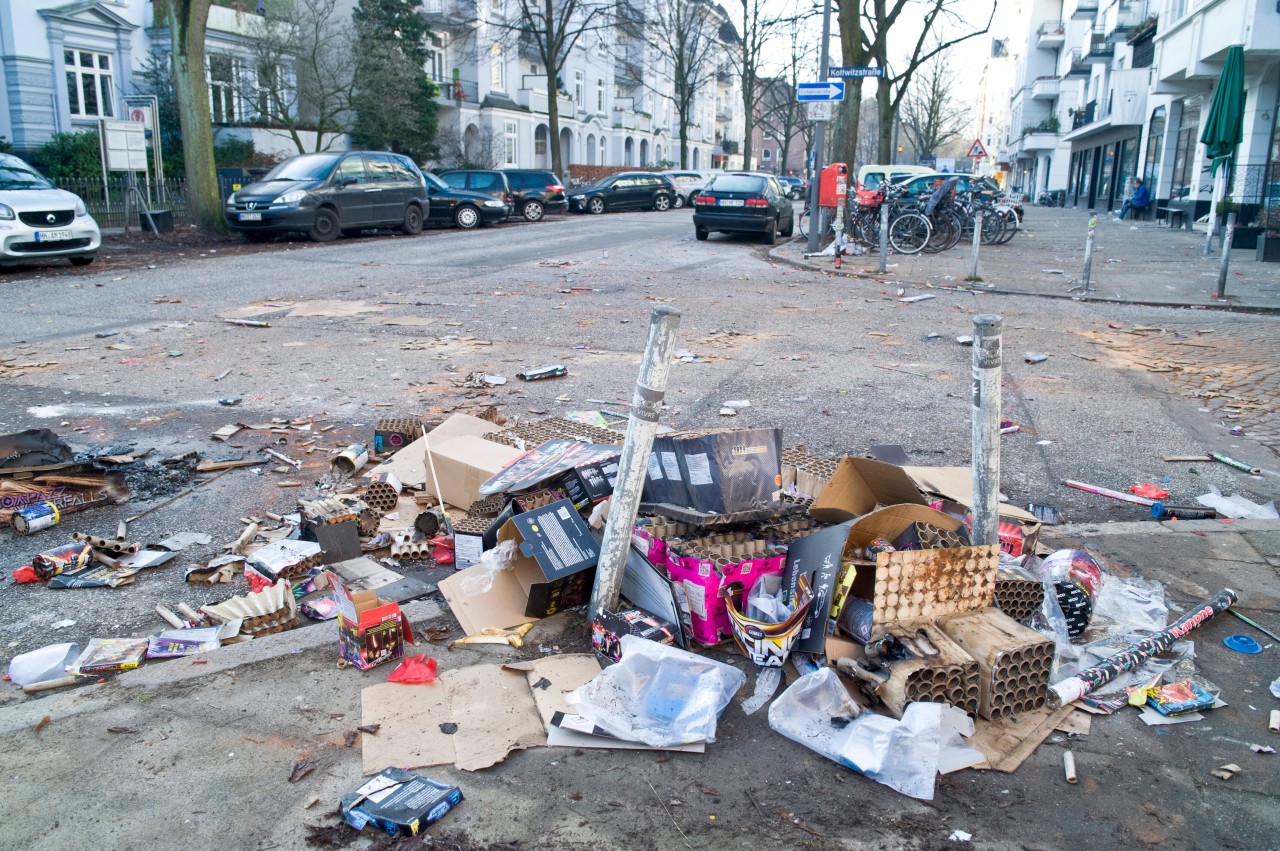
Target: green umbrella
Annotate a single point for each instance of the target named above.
(1225, 125)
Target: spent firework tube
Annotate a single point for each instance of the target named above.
(32, 518)
(1135, 655)
(1161, 511)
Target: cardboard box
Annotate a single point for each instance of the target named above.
(727, 470)
(607, 629)
(956, 483)
(393, 435)
(370, 630)
(399, 803)
(464, 463)
(818, 557)
(557, 557)
(861, 484)
(409, 465)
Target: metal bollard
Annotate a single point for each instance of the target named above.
(986, 428)
(651, 387)
(1088, 251)
(977, 244)
(1227, 236)
(884, 234)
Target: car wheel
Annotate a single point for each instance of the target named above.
(692, 196)
(258, 235)
(770, 236)
(677, 202)
(325, 228)
(791, 227)
(701, 234)
(595, 206)
(533, 211)
(412, 224)
(466, 217)
(81, 261)
(662, 203)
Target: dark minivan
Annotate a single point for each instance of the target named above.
(327, 194)
(535, 193)
(744, 203)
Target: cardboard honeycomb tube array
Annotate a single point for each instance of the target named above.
(529, 435)
(383, 492)
(271, 610)
(950, 677)
(805, 474)
(1014, 662)
(326, 510)
(916, 584)
(1017, 597)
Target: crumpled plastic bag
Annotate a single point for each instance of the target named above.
(493, 562)
(1131, 604)
(817, 712)
(46, 663)
(1238, 507)
(414, 671)
(660, 695)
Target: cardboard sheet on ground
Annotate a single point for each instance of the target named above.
(406, 511)
(1008, 742)
(501, 606)
(365, 574)
(492, 707)
(334, 308)
(956, 484)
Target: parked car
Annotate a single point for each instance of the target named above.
(535, 193)
(327, 194)
(627, 190)
(486, 181)
(871, 176)
(40, 221)
(677, 199)
(795, 186)
(922, 186)
(462, 207)
(744, 202)
(690, 183)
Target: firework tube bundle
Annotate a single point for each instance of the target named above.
(1136, 654)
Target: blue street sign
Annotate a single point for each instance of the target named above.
(857, 71)
(830, 90)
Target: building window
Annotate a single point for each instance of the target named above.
(89, 88)
(600, 95)
(272, 97)
(579, 89)
(497, 68)
(1155, 147)
(223, 73)
(435, 58)
(1184, 152)
(540, 143)
(510, 137)
(766, 155)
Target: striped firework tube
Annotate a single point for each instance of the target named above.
(1136, 654)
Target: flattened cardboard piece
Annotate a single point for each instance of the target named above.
(1008, 742)
(501, 606)
(405, 512)
(892, 521)
(564, 674)
(492, 707)
(495, 714)
(818, 558)
(364, 574)
(465, 463)
(956, 484)
(859, 485)
(1076, 724)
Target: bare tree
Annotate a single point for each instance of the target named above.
(302, 73)
(940, 16)
(758, 28)
(188, 20)
(781, 115)
(550, 29)
(685, 33)
(483, 149)
(854, 50)
(932, 115)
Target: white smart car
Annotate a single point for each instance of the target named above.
(39, 221)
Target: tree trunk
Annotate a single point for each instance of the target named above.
(682, 114)
(849, 17)
(187, 22)
(553, 122)
(748, 122)
(884, 102)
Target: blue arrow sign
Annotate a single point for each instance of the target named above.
(830, 90)
(857, 71)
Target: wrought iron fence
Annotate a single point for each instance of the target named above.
(106, 203)
(1256, 189)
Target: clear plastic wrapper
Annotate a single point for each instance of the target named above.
(767, 682)
(1237, 507)
(1131, 604)
(817, 712)
(659, 695)
(494, 561)
(47, 663)
(768, 606)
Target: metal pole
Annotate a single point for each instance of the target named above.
(977, 244)
(651, 387)
(1088, 250)
(986, 429)
(884, 234)
(1226, 255)
(1219, 188)
(819, 136)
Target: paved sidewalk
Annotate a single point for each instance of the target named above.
(1133, 263)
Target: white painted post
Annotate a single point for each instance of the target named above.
(986, 428)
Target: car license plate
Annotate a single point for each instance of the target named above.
(52, 235)
(732, 202)
(250, 217)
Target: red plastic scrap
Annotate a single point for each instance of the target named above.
(26, 573)
(414, 670)
(1149, 491)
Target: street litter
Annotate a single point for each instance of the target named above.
(554, 371)
(1262, 749)
(1238, 465)
(399, 803)
(102, 655)
(1237, 507)
(1226, 772)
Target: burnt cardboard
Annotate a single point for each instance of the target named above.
(557, 557)
(889, 523)
(463, 464)
(818, 557)
(859, 485)
(338, 541)
(730, 470)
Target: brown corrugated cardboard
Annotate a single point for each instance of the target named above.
(464, 463)
(501, 606)
(858, 486)
(956, 483)
(410, 464)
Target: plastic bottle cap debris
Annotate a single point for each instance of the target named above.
(1242, 644)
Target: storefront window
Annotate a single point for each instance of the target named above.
(1128, 169)
(1155, 147)
(1105, 172)
(1184, 154)
(1086, 173)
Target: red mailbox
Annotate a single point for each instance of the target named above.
(832, 184)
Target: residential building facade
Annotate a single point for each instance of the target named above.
(1107, 90)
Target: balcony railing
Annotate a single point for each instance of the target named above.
(459, 91)
(1045, 88)
(1085, 9)
(1101, 53)
(1084, 116)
